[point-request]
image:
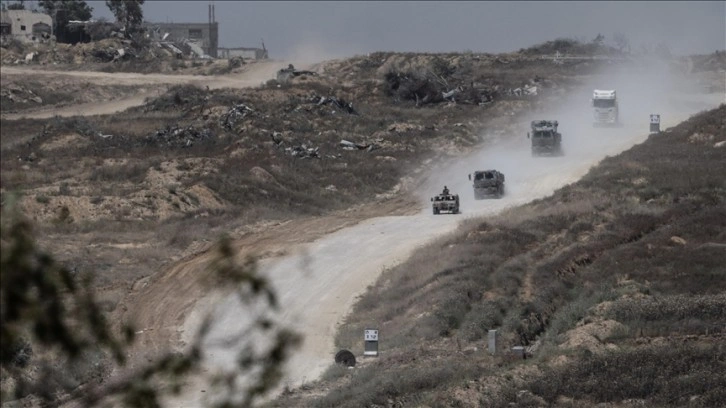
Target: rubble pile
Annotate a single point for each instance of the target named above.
(179, 137)
(234, 115)
(430, 88)
(341, 104)
(300, 150)
(109, 50)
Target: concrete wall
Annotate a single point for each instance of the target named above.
(26, 25)
(246, 53)
(203, 34)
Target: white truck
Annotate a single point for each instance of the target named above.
(605, 106)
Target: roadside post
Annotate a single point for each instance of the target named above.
(654, 123)
(370, 337)
(493, 337)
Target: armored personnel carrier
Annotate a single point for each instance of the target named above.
(546, 141)
(487, 184)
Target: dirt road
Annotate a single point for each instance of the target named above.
(318, 282)
(325, 263)
(252, 75)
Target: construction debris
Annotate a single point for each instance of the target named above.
(303, 150)
(341, 104)
(346, 145)
(175, 136)
(235, 114)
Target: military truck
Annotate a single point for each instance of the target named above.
(487, 184)
(445, 202)
(546, 141)
(605, 108)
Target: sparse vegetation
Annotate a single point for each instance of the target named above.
(140, 190)
(635, 310)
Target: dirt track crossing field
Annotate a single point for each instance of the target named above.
(253, 75)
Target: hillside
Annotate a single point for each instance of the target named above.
(135, 199)
(616, 286)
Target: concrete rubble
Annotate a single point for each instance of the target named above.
(179, 137)
(234, 115)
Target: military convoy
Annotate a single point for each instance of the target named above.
(546, 140)
(445, 202)
(487, 184)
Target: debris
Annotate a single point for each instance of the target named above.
(234, 114)
(339, 103)
(346, 145)
(303, 151)
(678, 240)
(174, 136)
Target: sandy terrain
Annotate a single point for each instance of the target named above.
(253, 75)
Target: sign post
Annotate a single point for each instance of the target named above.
(370, 336)
(654, 123)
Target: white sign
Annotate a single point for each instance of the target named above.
(654, 119)
(371, 335)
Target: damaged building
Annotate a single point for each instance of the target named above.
(25, 25)
(202, 38)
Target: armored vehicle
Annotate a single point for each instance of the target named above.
(487, 184)
(546, 141)
(445, 202)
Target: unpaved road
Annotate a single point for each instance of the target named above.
(318, 282)
(252, 75)
(328, 262)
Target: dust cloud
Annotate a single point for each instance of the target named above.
(342, 264)
(643, 88)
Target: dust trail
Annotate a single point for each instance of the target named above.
(318, 283)
(642, 90)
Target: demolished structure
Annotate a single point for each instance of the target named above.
(202, 38)
(25, 25)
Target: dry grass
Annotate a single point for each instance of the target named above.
(648, 257)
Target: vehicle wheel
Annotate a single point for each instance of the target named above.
(436, 212)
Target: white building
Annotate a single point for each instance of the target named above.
(25, 25)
